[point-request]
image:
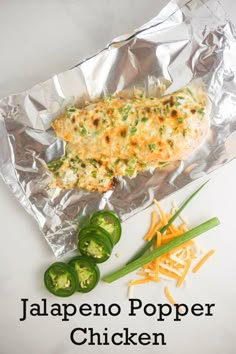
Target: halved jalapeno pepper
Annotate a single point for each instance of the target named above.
(61, 279)
(87, 273)
(109, 221)
(95, 242)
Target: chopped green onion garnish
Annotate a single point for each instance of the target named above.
(117, 161)
(110, 173)
(163, 163)
(108, 97)
(161, 129)
(93, 162)
(75, 159)
(71, 109)
(135, 122)
(129, 171)
(152, 147)
(132, 130)
(132, 162)
(55, 165)
(177, 103)
(83, 130)
(74, 169)
(189, 91)
(124, 111)
(200, 110)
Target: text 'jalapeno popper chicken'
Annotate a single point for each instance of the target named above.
(120, 136)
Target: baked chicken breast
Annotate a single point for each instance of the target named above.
(120, 136)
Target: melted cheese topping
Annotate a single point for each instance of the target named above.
(120, 136)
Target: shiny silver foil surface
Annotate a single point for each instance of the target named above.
(187, 40)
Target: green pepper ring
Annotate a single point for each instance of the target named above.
(97, 230)
(60, 269)
(100, 236)
(96, 217)
(91, 266)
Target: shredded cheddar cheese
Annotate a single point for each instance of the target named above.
(185, 272)
(162, 214)
(130, 292)
(153, 227)
(169, 296)
(141, 281)
(174, 265)
(203, 260)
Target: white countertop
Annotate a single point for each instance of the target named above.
(37, 40)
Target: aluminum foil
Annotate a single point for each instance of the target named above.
(185, 41)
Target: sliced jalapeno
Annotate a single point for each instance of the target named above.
(109, 221)
(95, 242)
(61, 279)
(87, 272)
